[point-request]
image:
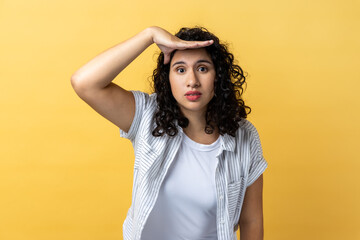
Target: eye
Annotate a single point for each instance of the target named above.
(180, 70)
(202, 69)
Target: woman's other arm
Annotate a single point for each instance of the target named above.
(93, 81)
(251, 217)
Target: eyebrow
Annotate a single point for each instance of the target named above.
(200, 61)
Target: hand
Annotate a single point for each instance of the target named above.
(168, 42)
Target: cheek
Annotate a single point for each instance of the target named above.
(174, 84)
(174, 88)
(211, 86)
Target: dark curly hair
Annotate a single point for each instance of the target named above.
(225, 109)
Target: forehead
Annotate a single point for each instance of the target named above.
(191, 55)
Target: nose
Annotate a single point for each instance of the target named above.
(192, 80)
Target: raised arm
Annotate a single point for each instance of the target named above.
(93, 81)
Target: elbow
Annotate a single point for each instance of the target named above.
(74, 80)
(76, 83)
(77, 86)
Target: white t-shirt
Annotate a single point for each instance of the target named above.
(186, 205)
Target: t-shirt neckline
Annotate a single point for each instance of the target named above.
(199, 146)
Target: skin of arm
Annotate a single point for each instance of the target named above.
(93, 81)
(101, 70)
(251, 221)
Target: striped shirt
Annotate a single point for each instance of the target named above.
(240, 163)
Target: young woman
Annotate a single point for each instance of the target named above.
(198, 160)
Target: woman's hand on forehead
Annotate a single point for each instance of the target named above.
(168, 42)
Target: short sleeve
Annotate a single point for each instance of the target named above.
(141, 103)
(258, 164)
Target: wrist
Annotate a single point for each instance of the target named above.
(150, 33)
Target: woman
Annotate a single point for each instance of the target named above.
(198, 161)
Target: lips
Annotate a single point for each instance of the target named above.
(193, 95)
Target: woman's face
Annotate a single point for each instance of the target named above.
(192, 76)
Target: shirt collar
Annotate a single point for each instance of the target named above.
(227, 142)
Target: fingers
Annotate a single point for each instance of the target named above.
(197, 44)
(166, 58)
(184, 45)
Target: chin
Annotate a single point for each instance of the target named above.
(193, 109)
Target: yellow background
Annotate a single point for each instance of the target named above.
(65, 173)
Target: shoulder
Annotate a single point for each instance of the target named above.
(251, 136)
(144, 100)
(247, 132)
(246, 125)
(144, 95)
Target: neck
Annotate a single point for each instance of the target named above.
(196, 121)
(196, 128)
